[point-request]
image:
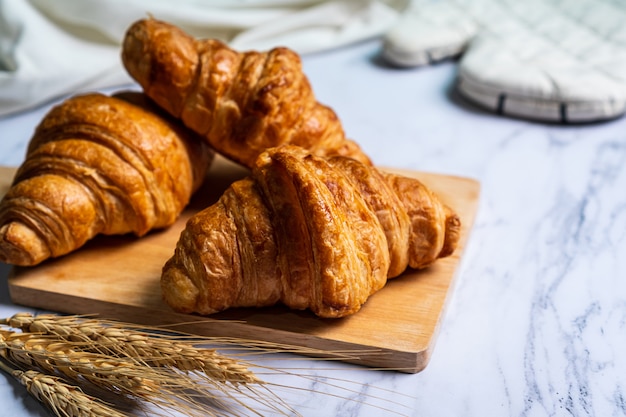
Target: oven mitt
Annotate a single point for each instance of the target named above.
(547, 60)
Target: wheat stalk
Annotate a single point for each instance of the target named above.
(61, 398)
(136, 377)
(167, 370)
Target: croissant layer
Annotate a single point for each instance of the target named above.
(309, 232)
(98, 164)
(241, 102)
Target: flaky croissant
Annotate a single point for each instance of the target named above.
(309, 232)
(98, 164)
(242, 103)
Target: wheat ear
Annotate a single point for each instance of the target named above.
(111, 339)
(31, 350)
(61, 398)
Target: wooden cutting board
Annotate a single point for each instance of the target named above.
(118, 278)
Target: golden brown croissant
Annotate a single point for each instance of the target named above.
(98, 164)
(242, 103)
(309, 232)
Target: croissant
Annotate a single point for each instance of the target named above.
(242, 103)
(98, 164)
(309, 232)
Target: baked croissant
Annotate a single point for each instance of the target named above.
(309, 232)
(242, 103)
(98, 164)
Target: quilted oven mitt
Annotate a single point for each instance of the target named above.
(547, 60)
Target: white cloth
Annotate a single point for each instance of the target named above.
(552, 60)
(52, 48)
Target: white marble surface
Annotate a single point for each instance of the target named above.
(536, 325)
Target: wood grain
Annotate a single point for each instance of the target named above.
(118, 278)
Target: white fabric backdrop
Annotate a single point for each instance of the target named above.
(51, 48)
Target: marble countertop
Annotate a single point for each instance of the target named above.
(536, 324)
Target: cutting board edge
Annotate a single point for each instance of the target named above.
(384, 358)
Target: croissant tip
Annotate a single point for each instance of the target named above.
(452, 236)
(178, 290)
(20, 245)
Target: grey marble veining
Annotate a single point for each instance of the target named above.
(536, 325)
